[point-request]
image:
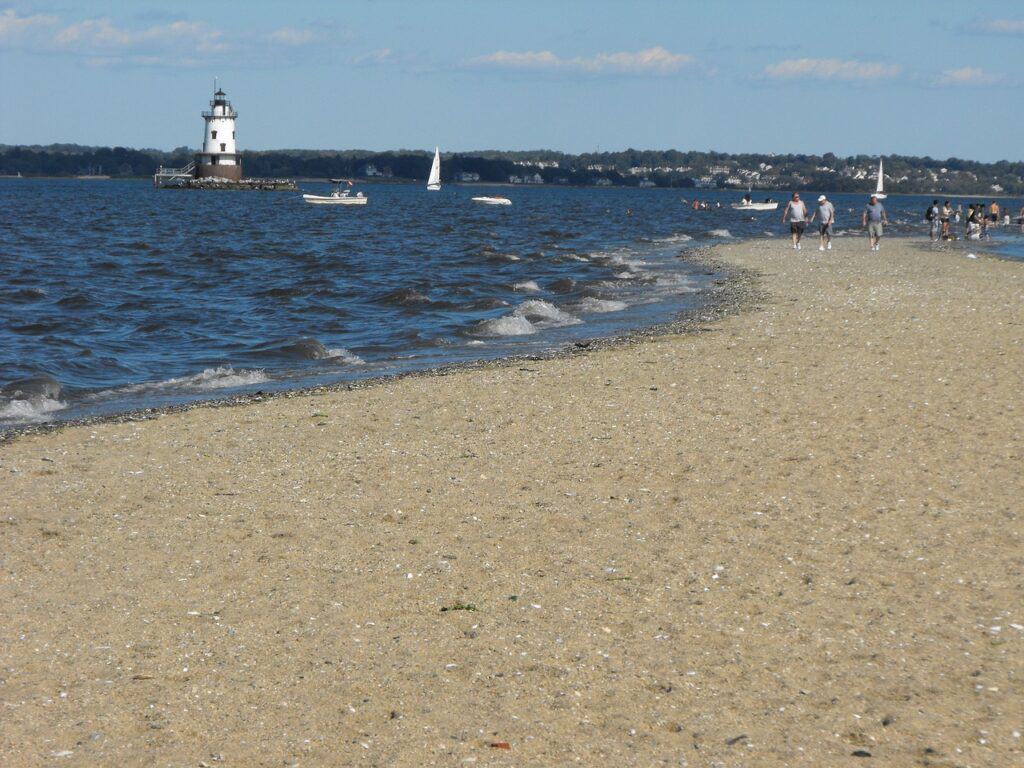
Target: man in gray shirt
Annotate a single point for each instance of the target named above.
(796, 211)
(826, 216)
(873, 218)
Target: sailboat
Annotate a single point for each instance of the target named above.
(879, 189)
(434, 182)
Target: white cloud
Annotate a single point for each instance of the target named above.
(1004, 26)
(292, 36)
(967, 76)
(13, 26)
(101, 42)
(101, 36)
(655, 60)
(830, 69)
(379, 56)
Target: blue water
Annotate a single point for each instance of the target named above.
(131, 297)
(1009, 242)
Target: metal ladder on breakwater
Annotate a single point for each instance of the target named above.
(173, 177)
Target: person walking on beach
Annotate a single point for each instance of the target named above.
(934, 218)
(947, 214)
(826, 215)
(796, 210)
(873, 218)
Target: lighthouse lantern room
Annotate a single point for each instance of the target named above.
(219, 158)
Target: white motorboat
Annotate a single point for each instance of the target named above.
(434, 181)
(486, 200)
(755, 206)
(338, 195)
(748, 204)
(880, 187)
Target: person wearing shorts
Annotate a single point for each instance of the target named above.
(826, 216)
(935, 221)
(944, 217)
(796, 211)
(873, 218)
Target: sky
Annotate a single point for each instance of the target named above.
(936, 78)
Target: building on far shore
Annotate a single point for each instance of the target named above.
(219, 158)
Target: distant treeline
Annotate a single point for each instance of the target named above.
(669, 168)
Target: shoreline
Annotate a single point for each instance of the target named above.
(790, 536)
(733, 293)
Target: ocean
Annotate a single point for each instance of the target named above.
(116, 296)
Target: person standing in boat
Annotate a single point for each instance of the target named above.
(826, 216)
(796, 212)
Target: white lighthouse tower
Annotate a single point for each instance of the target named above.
(219, 157)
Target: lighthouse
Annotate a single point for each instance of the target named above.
(219, 157)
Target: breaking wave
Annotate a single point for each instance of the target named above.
(591, 304)
(527, 286)
(526, 319)
(33, 410)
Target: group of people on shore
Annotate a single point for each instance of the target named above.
(873, 219)
(941, 219)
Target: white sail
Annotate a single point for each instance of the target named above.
(434, 182)
(880, 187)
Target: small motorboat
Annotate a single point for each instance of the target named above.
(755, 206)
(497, 200)
(338, 195)
(747, 204)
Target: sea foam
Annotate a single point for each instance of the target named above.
(221, 377)
(340, 354)
(526, 319)
(591, 304)
(32, 410)
(527, 286)
(510, 325)
(544, 314)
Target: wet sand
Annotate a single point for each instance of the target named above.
(792, 537)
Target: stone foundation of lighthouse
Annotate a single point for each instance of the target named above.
(229, 172)
(219, 158)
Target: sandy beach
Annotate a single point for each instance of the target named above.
(790, 537)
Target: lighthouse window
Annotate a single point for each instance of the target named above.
(214, 135)
(223, 147)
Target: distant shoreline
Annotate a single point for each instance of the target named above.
(413, 182)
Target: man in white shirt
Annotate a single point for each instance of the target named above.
(826, 216)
